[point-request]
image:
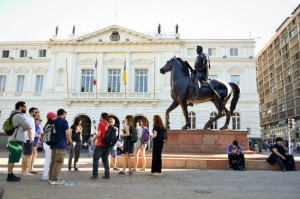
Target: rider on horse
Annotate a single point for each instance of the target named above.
(201, 70)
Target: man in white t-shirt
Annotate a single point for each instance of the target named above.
(28, 141)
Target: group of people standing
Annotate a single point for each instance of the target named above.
(27, 133)
(103, 151)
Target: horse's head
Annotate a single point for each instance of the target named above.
(168, 66)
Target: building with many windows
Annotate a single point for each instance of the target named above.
(278, 79)
(84, 75)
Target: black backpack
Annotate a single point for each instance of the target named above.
(50, 135)
(134, 137)
(110, 138)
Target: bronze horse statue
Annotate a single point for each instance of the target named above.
(183, 89)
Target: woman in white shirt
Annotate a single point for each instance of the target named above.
(139, 146)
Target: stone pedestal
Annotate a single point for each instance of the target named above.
(203, 141)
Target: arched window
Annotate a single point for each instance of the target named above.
(192, 119)
(236, 121)
(215, 123)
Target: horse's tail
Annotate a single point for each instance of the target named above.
(236, 95)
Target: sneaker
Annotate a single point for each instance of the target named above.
(93, 178)
(133, 170)
(12, 178)
(142, 170)
(76, 169)
(59, 182)
(116, 169)
(45, 178)
(105, 177)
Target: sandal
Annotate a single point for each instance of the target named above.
(121, 173)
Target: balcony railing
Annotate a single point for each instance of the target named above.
(113, 95)
(78, 95)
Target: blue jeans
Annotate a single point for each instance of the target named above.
(101, 152)
(288, 164)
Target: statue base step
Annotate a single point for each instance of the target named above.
(203, 141)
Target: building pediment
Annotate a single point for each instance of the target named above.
(22, 70)
(87, 61)
(114, 61)
(114, 33)
(4, 70)
(235, 70)
(141, 61)
(40, 70)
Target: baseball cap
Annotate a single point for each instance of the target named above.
(51, 115)
(61, 111)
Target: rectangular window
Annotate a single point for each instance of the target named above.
(5, 53)
(20, 83)
(212, 52)
(39, 83)
(293, 33)
(235, 79)
(141, 80)
(23, 53)
(191, 52)
(114, 78)
(2, 83)
(234, 52)
(42, 53)
(87, 78)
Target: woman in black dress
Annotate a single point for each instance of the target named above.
(158, 142)
(127, 144)
(77, 143)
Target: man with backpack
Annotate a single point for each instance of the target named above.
(15, 141)
(101, 149)
(59, 148)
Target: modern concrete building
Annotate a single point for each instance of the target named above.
(59, 73)
(278, 79)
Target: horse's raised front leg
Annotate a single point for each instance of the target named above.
(225, 127)
(171, 108)
(185, 113)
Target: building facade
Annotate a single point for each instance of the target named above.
(278, 80)
(60, 73)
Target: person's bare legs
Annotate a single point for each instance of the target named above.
(125, 161)
(32, 159)
(143, 154)
(10, 167)
(25, 165)
(136, 157)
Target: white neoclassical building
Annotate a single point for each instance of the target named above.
(59, 73)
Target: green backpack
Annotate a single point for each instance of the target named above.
(8, 126)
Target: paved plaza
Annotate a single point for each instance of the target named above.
(172, 184)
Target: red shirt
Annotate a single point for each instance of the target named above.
(101, 127)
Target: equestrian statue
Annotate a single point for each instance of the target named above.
(189, 86)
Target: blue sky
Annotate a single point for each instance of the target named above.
(32, 20)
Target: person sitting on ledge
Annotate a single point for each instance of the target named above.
(235, 156)
(285, 161)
